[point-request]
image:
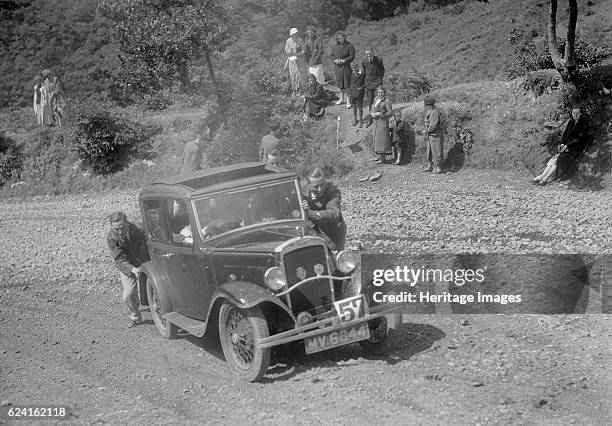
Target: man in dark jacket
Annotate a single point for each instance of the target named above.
(313, 52)
(374, 71)
(127, 245)
(322, 204)
(433, 136)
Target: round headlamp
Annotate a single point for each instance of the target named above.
(346, 261)
(275, 278)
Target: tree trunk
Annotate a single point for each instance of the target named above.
(566, 64)
(553, 50)
(569, 57)
(209, 65)
(183, 72)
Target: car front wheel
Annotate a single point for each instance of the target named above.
(164, 327)
(383, 333)
(239, 330)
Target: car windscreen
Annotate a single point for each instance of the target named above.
(223, 212)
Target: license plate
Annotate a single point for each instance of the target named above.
(336, 338)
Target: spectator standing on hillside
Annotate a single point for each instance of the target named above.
(313, 53)
(127, 245)
(37, 101)
(399, 136)
(374, 71)
(322, 204)
(433, 136)
(382, 111)
(53, 102)
(356, 92)
(294, 48)
(192, 152)
(342, 54)
(270, 143)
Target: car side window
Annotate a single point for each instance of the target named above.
(156, 221)
(179, 222)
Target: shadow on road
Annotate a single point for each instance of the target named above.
(290, 360)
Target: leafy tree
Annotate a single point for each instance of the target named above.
(563, 61)
(159, 38)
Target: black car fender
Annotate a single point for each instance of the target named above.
(244, 294)
(148, 271)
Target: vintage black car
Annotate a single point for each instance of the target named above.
(231, 252)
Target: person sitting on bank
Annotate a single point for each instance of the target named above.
(322, 204)
(314, 99)
(573, 143)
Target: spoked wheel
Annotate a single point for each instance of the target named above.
(239, 330)
(164, 327)
(383, 333)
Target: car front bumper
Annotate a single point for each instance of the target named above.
(327, 325)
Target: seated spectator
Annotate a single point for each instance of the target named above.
(550, 171)
(573, 143)
(314, 99)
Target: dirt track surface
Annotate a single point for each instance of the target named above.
(64, 336)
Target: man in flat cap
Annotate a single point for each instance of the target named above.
(127, 245)
(322, 203)
(433, 136)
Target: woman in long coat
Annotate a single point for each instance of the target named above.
(382, 111)
(342, 54)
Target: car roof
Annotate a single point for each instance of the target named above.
(216, 179)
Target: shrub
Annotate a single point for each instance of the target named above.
(106, 142)
(45, 155)
(314, 141)
(270, 79)
(404, 87)
(11, 163)
(527, 57)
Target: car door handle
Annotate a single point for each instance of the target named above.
(167, 254)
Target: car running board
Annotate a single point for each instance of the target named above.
(190, 325)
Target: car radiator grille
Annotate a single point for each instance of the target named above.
(314, 296)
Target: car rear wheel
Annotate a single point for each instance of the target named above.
(383, 333)
(164, 327)
(239, 330)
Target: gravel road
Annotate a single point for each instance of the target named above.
(65, 340)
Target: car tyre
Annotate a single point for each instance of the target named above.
(164, 327)
(383, 333)
(239, 330)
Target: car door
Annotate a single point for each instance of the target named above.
(186, 275)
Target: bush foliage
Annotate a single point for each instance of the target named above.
(527, 57)
(106, 142)
(405, 87)
(11, 163)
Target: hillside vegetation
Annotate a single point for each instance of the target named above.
(458, 49)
